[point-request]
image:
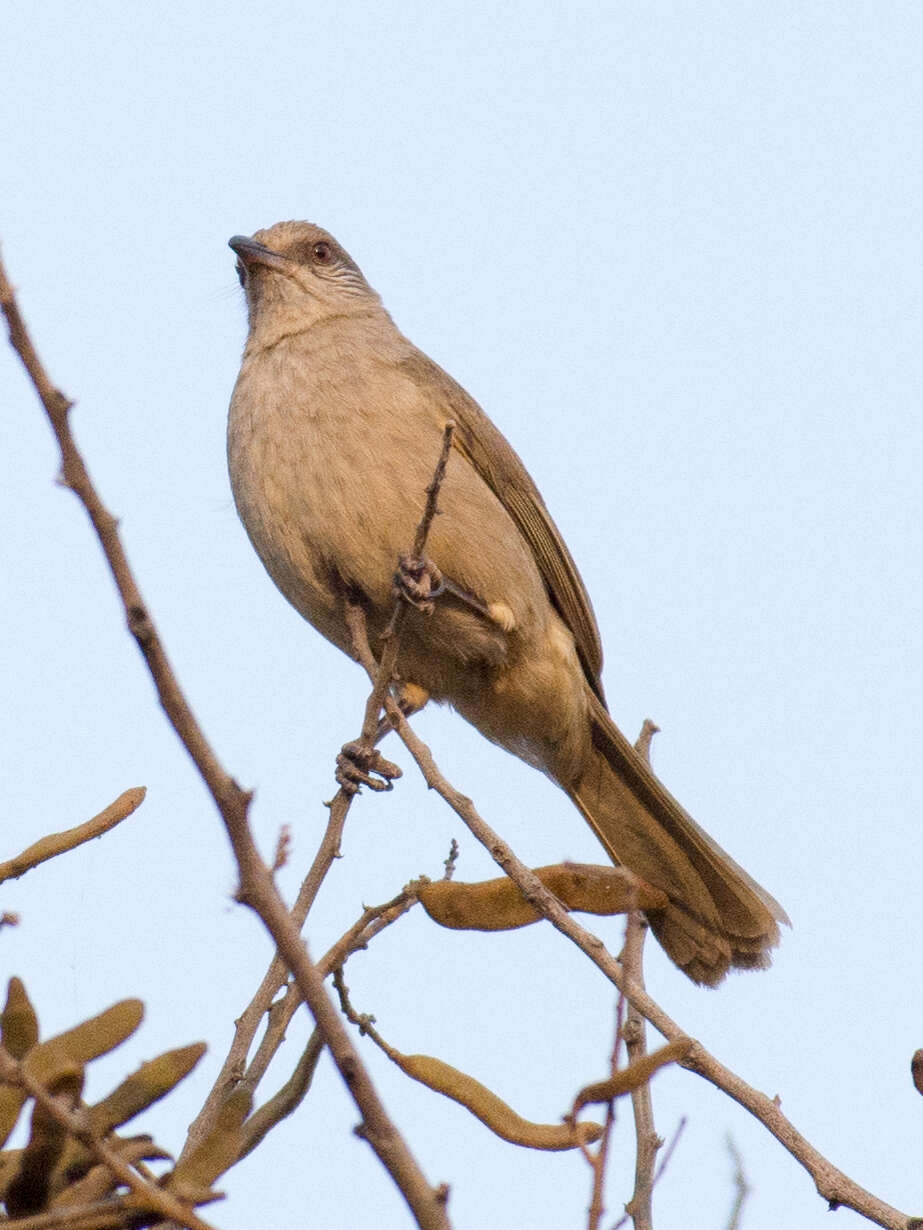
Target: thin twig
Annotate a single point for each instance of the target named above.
(599, 1161)
(832, 1184)
(741, 1186)
(109, 1214)
(150, 1196)
(669, 1150)
(234, 1069)
(647, 1142)
(392, 635)
(373, 920)
(257, 887)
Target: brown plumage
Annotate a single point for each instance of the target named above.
(335, 424)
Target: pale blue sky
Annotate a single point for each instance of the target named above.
(675, 252)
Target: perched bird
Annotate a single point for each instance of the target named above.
(335, 425)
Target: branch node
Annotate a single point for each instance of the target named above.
(139, 623)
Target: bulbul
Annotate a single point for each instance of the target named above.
(335, 425)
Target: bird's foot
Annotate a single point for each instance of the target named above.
(357, 766)
(418, 581)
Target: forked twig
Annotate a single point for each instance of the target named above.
(257, 887)
(150, 1195)
(647, 1142)
(832, 1184)
(392, 635)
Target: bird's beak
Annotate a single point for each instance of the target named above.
(250, 252)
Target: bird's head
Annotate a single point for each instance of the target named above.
(296, 275)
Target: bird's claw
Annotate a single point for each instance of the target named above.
(356, 765)
(418, 581)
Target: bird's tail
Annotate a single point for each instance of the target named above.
(718, 916)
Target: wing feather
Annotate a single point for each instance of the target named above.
(492, 457)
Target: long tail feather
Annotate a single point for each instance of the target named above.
(718, 915)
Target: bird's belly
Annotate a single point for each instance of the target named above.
(295, 491)
(323, 533)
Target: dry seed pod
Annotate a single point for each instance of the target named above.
(102, 1033)
(99, 1181)
(498, 905)
(627, 1079)
(152, 1081)
(9, 1168)
(18, 1022)
(491, 1110)
(218, 1151)
(12, 1101)
(29, 1189)
(49, 1062)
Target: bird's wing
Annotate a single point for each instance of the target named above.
(489, 453)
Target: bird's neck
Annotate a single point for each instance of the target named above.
(369, 331)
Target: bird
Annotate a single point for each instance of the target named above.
(334, 427)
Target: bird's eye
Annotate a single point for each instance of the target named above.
(241, 273)
(322, 253)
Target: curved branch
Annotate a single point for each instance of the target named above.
(150, 1195)
(257, 887)
(831, 1183)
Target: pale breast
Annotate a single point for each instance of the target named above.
(330, 455)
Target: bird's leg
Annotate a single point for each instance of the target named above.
(356, 765)
(418, 581)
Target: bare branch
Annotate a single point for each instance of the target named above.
(392, 634)
(832, 1184)
(257, 887)
(600, 1160)
(647, 1142)
(233, 1070)
(280, 1013)
(150, 1195)
(741, 1186)
(106, 1214)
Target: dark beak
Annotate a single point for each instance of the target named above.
(250, 252)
